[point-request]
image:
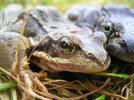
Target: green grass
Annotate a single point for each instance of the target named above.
(63, 5)
(7, 85)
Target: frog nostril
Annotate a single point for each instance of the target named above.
(123, 43)
(89, 54)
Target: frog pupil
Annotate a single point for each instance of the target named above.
(64, 45)
(107, 28)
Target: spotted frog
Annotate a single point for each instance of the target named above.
(116, 21)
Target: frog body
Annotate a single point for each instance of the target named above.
(10, 13)
(85, 16)
(116, 21)
(64, 47)
(55, 45)
(8, 47)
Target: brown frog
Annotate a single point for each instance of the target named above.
(58, 44)
(64, 42)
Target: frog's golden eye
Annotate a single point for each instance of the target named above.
(67, 46)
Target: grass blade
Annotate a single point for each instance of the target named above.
(7, 85)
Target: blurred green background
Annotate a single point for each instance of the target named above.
(63, 5)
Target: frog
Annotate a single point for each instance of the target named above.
(9, 13)
(54, 24)
(55, 45)
(116, 21)
(121, 43)
(84, 16)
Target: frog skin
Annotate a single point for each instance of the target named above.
(121, 33)
(76, 58)
(8, 48)
(83, 56)
(117, 22)
(62, 46)
(84, 16)
(10, 13)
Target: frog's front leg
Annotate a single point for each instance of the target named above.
(9, 42)
(8, 47)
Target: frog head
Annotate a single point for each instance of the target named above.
(118, 27)
(74, 51)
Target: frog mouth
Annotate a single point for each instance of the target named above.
(91, 68)
(83, 66)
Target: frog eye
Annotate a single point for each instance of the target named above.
(66, 46)
(108, 27)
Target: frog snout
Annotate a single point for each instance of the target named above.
(127, 42)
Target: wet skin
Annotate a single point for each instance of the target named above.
(116, 21)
